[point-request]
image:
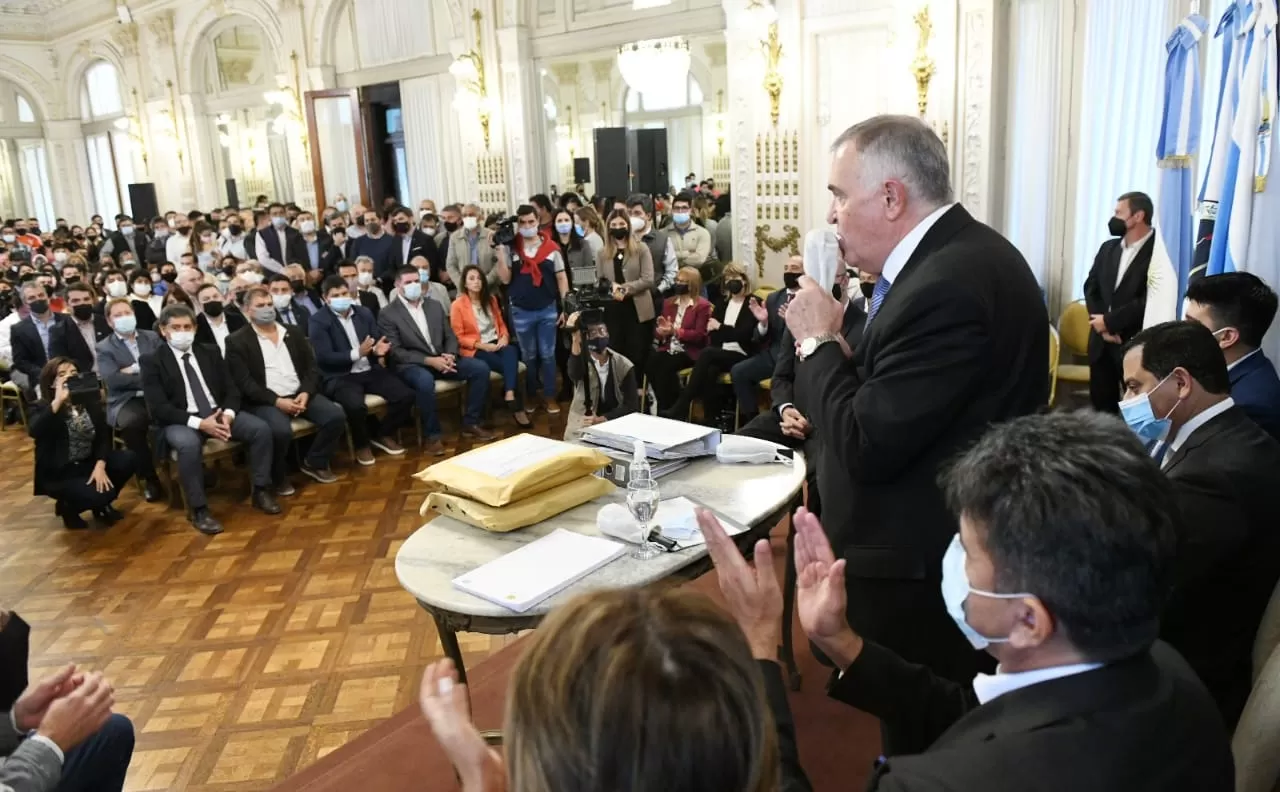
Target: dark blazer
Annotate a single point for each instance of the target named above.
(1256, 390)
(770, 342)
(692, 332)
(408, 347)
(53, 443)
(333, 349)
(961, 341)
(743, 331)
(1122, 305)
(165, 391)
(301, 318)
(142, 311)
(266, 242)
(1142, 724)
(64, 341)
(114, 356)
(334, 255)
(422, 244)
(325, 242)
(370, 300)
(244, 359)
(1226, 478)
(204, 331)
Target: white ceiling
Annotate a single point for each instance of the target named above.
(35, 7)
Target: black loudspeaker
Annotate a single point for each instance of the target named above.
(650, 163)
(233, 198)
(142, 197)
(581, 170)
(612, 163)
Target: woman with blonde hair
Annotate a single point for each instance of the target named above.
(640, 690)
(591, 229)
(730, 336)
(681, 333)
(627, 264)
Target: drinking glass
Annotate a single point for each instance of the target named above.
(642, 500)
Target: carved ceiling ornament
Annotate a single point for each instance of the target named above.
(161, 27)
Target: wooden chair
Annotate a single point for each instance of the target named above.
(1073, 335)
(10, 393)
(213, 451)
(1055, 351)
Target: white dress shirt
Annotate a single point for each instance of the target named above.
(1195, 423)
(359, 362)
(602, 371)
(419, 317)
(233, 246)
(901, 253)
(1128, 253)
(281, 375)
(6, 338)
(220, 331)
(731, 312)
(405, 242)
(174, 246)
(194, 420)
(90, 336)
(991, 686)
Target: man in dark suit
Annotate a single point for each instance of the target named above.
(1085, 696)
(336, 252)
(216, 321)
(1225, 472)
(770, 328)
(424, 349)
(118, 365)
(278, 242)
(191, 396)
(349, 350)
(957, 339)
(317, 243)
(90, 326)
(412, 242)
(1239, 308)
(358, 275)
(786, 423)
(275, 370)
(44, 335)
(288, 311)
(1116, 295)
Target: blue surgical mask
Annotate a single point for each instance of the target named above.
(424, 276)
(529, 232)
(341, 206)
(1137, 414)
(581, 231)
(563, 228)
(278, 221)
(680, 218)
(126, 324)
(340, 304)
(956, 589)
(413, 292)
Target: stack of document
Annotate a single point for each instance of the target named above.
(663, 438)
(523, 578)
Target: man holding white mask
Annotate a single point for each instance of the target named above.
(1225, 472)
(1084, 696)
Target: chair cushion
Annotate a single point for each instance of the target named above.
(1071, 372)
(448, 386)
(301, 426)
(212, 448)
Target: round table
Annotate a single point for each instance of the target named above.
(756, 497)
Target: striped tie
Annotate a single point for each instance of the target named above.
(877, 298)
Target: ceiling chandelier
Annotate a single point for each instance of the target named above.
(654, 65)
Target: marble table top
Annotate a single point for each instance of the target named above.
(445, 548)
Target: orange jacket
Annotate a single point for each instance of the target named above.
(463, 321)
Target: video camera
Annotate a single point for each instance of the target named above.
(505, 233)
(592, 297)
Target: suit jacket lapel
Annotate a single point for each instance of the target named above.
(1199, 437)
(407, 319)
(1137, 272)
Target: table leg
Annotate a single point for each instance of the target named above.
(449, 642)
(787, 654)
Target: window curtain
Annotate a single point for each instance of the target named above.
(102, 176)
(35, 181)
(336, 138)
(1120, 107)
(281, 169)
(1034, 147)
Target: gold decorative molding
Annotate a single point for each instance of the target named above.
(772, 76)
(790, 240)
(922, 66)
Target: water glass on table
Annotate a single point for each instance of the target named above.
(642, 501)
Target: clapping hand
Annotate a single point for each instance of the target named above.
(445, 705)
(752, 595)
(382, 347)
(820, 593)
(31, 706)
(366, 346)
(71, 718)
(758, 310)
(713, 325)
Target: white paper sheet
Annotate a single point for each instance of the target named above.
(523, 578)
(678, 521)
(509, 457)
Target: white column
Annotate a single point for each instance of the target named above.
(980, 91)
(68, 167)
(743, 113)
(521, 114)
(205, 188)
(433, 145)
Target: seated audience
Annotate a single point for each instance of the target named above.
(1085, 697)
(424, 349)
(115, 285)
(1239, 308)
(89, 325)
(61, 735)
(628, 265)
(189, 281)
(482, 334)
(308, 298)
(44, 334)
(283, 298)
(635, 689)
(730, 332)
(361, 282)
(534, 288)
(190, 394)
(118, 365)
(349, 351)
(1225, 472)
(215, 322)
(681, 333)
(144, 300)
(75, 463)
(274, 369)
(770, 326)
(603, 390)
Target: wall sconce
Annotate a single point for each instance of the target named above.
(764, 17)
(473, 92)
(289, 100)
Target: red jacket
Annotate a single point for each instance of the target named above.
(692, 332)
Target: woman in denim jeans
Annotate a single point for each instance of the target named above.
(535, 285)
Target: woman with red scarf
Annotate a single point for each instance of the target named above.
(535, 285)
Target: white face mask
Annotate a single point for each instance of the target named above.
(117, 289)
(182, 341)
(637, 224)
(142, 289)
(364, 278)
(470, 223)
(251, 277)
(956, 589)
(308, 226)
(281, 301)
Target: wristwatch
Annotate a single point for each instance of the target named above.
(811, 344)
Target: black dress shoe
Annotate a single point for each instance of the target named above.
(264, 501)
(108, 514)
(204, 522)
(152, 492)
(72, 521)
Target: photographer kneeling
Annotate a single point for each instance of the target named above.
(75, 464)
(606, 388)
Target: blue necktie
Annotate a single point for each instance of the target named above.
(877, 298)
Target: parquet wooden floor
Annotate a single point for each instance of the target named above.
(244, 657)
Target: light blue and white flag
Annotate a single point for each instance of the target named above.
(1179, 139)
